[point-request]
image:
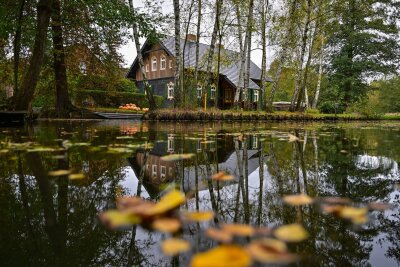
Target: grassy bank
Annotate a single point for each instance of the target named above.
(116, 110)
(231, 115)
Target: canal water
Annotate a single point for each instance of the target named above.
(50, 218)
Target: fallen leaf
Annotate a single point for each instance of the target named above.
(198, 216)
(293, 138)
(76, 176)
(270, 251)
(174, 246)
(238, 229)
(219, 235)
(116, 218)
(174, 157)
(222, 256)
(59, 173)
(344, 151)
(379, 206)
(291, 233)
(297, 200)
(170, 201)
(167, 225)
(222, 176)
(356, 215)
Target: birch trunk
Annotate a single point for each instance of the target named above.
(242, 56)
(321, 58)
(264, 53)
(178, 96)
(196, 71)
(248, 44)
(147, 86)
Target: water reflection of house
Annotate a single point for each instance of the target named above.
(211, 158)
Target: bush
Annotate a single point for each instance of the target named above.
(330, 107)
(368, 106)
(112, 99)
(104, 83)
(312, 111)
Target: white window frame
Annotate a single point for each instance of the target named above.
(170, 63)
(256, 94)
(255, 142)
(163, 171)
(199, 146)
(147, 67)
(213, 94)
(199, 91)
(171, 144)
(154, 170)
(153, 64)
(170, 90)
(163, 62)
(83, 68)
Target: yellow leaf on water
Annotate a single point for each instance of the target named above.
(222, 256)
(297, 200)
(270, 251)
(291, 233)
(170, 201)
(174, 157)
(174, 246)
(219, 235)
(238, 229)
(76, 176)
(356, 215)
(222, 176)
(198, 216)
(293, 138)
(167, 225)
(59, 173)
(116, 218)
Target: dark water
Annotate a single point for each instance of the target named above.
(53, 221)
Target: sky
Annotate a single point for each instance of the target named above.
(129, 52)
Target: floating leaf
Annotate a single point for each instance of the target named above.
(344, 151)
(222, 256)
(167, 225)
(335, 200)
(41, 149)
(291, 233)
(170, 201)
(238, 229)
(59, 173)
(76, 176)
(297, 200)
(4, 151)
(124, 138)
(222, 176)
(379, 206)
(356, 215)
(293, 138)
(219, 235)
(116, 218)
(174, 246)
(174, 157)
(199, 216)
(270, 251)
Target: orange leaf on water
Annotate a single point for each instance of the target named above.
(198, 216)
(169, 202)
(174, 246)
(270, 251)
(116, 218)
(219, 235)
(222, 176)
(167, 225)
(297, 200)
(238, 229)
(291, 233)
(222, 256)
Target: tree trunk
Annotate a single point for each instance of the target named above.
(17, 44)
(304, 38)
(63, 103)
(248, 42)
(196, 71)
(25, 95)
(242, 54)
(147, 86)
(317, 90)
(264, 53)
(178, 95)
(218, 4)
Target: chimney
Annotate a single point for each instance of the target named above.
(191, 37)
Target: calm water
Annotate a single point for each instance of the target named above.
(53, 221)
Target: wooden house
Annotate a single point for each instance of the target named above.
(159, 61)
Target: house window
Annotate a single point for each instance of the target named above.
(154, 64)
(255, 142)
(171, 144)
(170, 64)
(255, 95)
(163, 63)
(154, 170)
(170, 90)
(199, 145)
(163, 171)
(83, 68)
(213, 91)
(199, 91)
(147, 67)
